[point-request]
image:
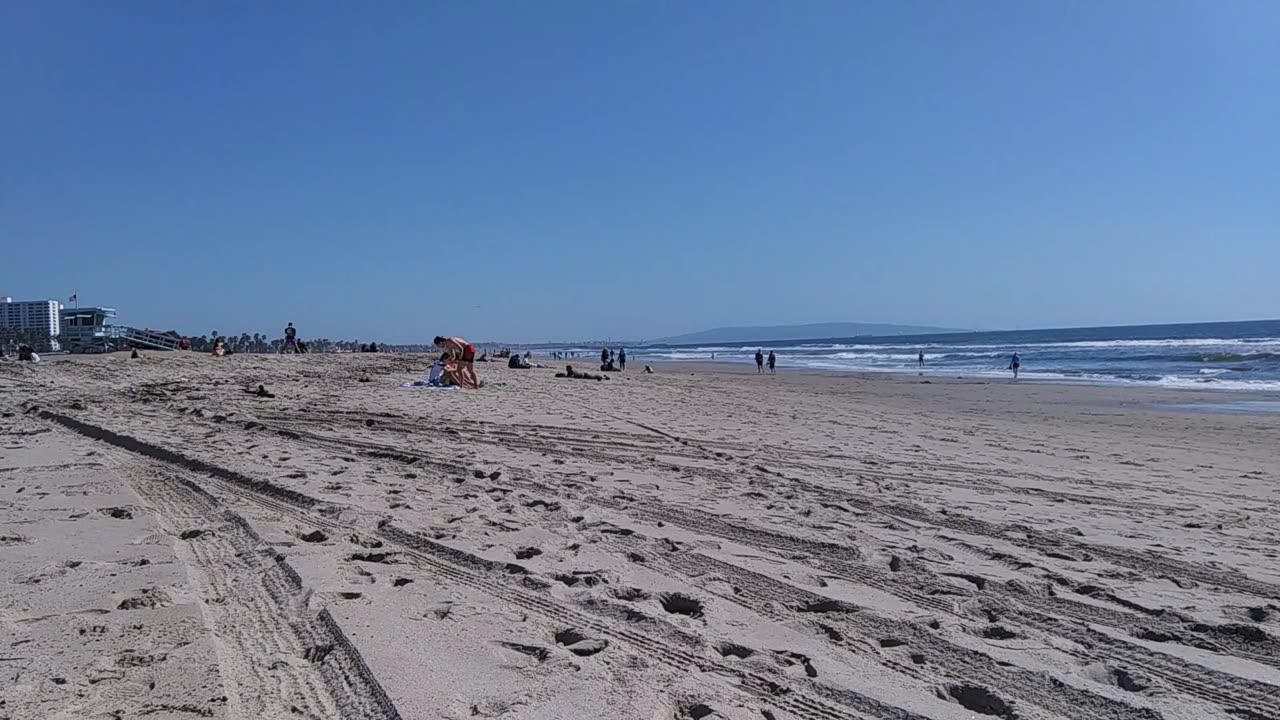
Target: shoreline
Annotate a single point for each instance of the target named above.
(723, 367)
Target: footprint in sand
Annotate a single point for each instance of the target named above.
(579, 644)
(681, 604)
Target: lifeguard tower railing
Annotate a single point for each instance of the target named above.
(86, 330)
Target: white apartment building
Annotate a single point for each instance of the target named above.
(42, 316)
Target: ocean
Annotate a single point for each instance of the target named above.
(1227, 356)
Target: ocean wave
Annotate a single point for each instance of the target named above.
(900, 357)
(1222, 345)
(1203, 378)
(1236, 357)
(1179, 381)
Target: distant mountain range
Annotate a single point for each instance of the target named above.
(813, 331)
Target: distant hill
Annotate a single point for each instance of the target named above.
(813, 331)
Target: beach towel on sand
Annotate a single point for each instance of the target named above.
(424, 385)
(434, 379)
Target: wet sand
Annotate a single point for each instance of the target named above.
(697, 543)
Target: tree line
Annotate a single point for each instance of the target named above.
(12, 338)
(260, 343)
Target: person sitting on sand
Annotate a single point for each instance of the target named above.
(648, 370)
(219, 347)
(462, 355)
(518, 363)
(261, 392)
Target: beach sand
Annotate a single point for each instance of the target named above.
(697, 543)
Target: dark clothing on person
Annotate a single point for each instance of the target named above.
(261, 392)
(773, 361)
(622, 359)
(518, 363)
(759, 361)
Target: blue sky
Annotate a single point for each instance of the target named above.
(559, 170)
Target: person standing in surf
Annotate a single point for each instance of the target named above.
(773, 363)
(1015, 363)
(759, 361)
(921, 359)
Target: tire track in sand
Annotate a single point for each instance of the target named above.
(805, 701)
(275, 656)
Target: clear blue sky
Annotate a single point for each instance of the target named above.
(539, 170)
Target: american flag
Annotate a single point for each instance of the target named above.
(74, 297)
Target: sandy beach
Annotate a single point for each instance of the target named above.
(698, 543)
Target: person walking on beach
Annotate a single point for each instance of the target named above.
(463, 355)
(921, 358)
(290, 339)
(773, 363)
(622, 358)
(759, 361)
(1014, 364)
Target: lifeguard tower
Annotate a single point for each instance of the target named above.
(85, 330)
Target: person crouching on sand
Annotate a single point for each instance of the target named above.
(462, 354)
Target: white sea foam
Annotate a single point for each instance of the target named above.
(1244, 345)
